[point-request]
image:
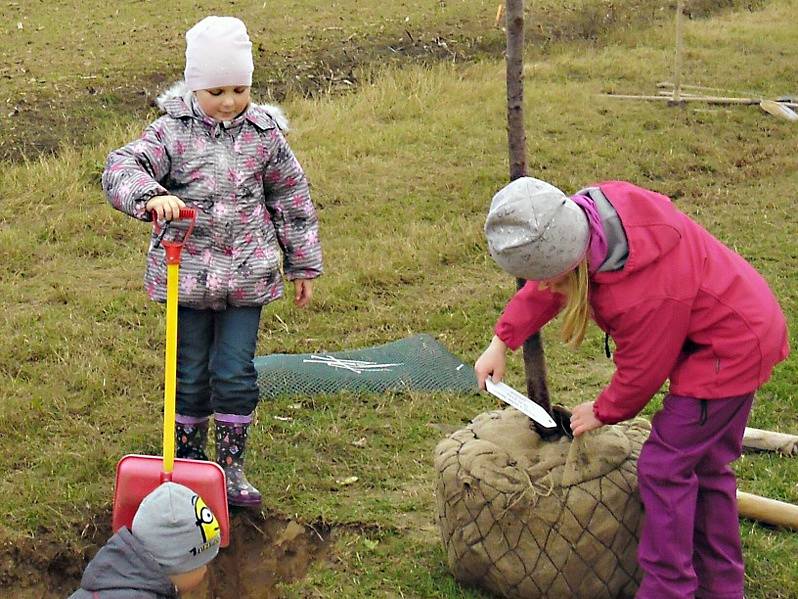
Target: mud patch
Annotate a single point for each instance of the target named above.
(264, 551)
(262, 554)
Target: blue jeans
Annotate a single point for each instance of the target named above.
(215, 367)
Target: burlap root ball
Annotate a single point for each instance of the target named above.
(528, 518)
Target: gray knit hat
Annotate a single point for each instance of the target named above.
(535, 231)
(177, 528)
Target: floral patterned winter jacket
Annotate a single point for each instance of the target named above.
(251, 196)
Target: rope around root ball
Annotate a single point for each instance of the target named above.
(528, 518)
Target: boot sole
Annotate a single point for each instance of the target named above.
(244, 502)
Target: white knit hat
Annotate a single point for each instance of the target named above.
(177, 528)
(218, 54)
(535, 231)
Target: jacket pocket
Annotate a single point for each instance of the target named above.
(260, 264)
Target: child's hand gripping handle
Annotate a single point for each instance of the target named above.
(173, 249)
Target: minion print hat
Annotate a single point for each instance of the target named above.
(177, 528)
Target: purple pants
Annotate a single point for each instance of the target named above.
(690, 542)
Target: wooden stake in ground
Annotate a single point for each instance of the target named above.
(516, 135)
(755, 438)
(677, 62)
(534, 361)
(769, 511)
(499, 14)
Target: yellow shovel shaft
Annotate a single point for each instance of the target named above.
(170, 368)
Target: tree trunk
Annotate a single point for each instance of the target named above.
(515, 88)
(534, 361)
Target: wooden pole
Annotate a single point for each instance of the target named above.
(755, 438)
(769, 511)
(534, 360)
(705, 99)
(704, 88)
(677, 62)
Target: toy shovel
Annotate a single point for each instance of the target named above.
(138, 475)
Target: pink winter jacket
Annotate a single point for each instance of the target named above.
(684, 307)
(255, 219)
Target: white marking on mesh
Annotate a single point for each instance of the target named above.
(356, 366)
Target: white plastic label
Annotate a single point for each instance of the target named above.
(520, 402)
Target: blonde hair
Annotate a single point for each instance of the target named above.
(575, 287)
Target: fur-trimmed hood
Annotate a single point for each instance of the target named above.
(180, 91)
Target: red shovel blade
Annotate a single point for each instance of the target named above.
(138, 475)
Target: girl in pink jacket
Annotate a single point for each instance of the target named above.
(680, 306)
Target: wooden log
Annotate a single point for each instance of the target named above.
(755, 438)
(768, 511)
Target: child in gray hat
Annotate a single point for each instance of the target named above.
(173, 538)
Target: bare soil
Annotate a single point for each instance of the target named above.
(264, 551)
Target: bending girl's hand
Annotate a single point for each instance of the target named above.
(303, 292)
(492, 362)
(583, 419)
(165, 207)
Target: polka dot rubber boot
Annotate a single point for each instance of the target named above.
(191, 434)
(231, 442)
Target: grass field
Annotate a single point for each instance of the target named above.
(402, 167)
(68, 67)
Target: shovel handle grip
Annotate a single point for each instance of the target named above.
(174, 247)
(185, 213)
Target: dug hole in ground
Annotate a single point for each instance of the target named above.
(263, 552)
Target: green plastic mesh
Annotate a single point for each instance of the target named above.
(417, 363)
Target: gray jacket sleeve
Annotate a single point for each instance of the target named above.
(288, 201)
(132, 173)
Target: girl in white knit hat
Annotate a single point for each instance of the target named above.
(216, 151)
